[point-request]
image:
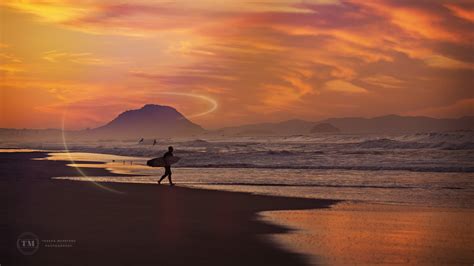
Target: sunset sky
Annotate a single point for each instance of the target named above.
(233, 62)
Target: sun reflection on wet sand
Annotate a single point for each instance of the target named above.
(19, 150)
(90, 157)
(353, 233)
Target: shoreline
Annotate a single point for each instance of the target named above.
(147, 225)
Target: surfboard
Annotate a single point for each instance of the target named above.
(160, 161)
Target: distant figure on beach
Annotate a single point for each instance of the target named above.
(154, 142)
(168, 154)
(140, 141)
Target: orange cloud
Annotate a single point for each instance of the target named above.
(78, 58)
(343, 86)
(422, 22)
(283, 96)
(9, 63)
(384, 81)
(446, 62)
(464, 13)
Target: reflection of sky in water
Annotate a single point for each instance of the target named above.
(367, 234)
(90, 157)
(19, 150)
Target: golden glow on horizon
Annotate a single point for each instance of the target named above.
(241, 61)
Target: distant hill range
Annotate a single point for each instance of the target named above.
(155, 121)
(390, 124)
(324, 128)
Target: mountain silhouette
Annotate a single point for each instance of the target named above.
(324, 128)
(149, 121)
(392, 124)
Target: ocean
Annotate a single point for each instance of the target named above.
(425, 169)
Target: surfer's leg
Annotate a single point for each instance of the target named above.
(162, 177)
(168, 170)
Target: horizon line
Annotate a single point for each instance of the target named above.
(250, 124)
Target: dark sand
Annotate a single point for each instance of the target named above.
(147, 225)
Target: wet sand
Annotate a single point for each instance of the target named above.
(367, 234)
(143, 225)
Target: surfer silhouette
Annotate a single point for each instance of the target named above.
(168, 154)
(141, 140)
(154, 142)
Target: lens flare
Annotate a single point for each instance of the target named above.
(66, 149)
(212, 102)
(213, 107)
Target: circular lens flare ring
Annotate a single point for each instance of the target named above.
(213, 107)
(212, 102)
(79, 170)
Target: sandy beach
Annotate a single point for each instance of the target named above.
(78, 223)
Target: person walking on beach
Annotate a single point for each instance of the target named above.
(168, 154)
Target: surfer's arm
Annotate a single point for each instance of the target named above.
(165, 158)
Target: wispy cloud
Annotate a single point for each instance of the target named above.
(343, 86)
(384, 81)
(446, 62)
(466, 12)
(9, 63)
(77, 58)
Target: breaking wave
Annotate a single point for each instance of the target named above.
(440, 169)
(385, 143)
(423, 152)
